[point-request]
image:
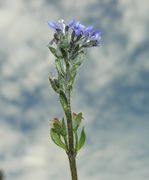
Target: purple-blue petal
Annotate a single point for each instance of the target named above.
(78, 31)
(71, 23)
(78, 27)
(53, 25)
(96, 35)
(96, 32)
(88, 29)
(76, 24)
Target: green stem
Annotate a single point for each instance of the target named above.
(71, 150)
(73, 167)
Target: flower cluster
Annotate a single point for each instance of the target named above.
(74, 37)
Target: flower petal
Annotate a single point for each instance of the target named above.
(88, 29)
(53, 25)
(71, 23)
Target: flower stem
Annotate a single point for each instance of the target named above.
(71, 150)
(73, 167)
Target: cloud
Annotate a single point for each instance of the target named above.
(111, 90)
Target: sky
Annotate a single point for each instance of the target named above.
(111, 90)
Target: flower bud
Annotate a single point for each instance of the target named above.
(56, 125)
(74, 115)
(76, 120)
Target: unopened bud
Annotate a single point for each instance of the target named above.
(55, 121)
(76, 120)
(74, 115)
(58, 127)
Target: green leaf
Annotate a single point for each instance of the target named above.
(64, 129)
(82, 139)
(76, 140)
(56, 139)
(59, 67)
(55, 52)
(80, 58)
(63, 100)
(72, 76)
(54, 84)
(77, 121)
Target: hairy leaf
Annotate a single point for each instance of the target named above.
(64, 129)
(72, 76)
(54, 84)
(55, 52)
(63, 100)
(82, 139)
(80, 58)
(56, 139)
(59, 66)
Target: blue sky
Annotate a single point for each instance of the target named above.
(111, 90)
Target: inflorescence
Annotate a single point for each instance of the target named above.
(72, 38)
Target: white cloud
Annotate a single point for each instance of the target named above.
(134, 21)
(114, 151)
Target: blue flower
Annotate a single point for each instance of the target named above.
(75, 33)
(78, 27)
(88, 31)
(57, 26)
(96, 35)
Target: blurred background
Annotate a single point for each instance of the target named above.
(112, 91)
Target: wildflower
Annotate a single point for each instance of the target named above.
(73, 34)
